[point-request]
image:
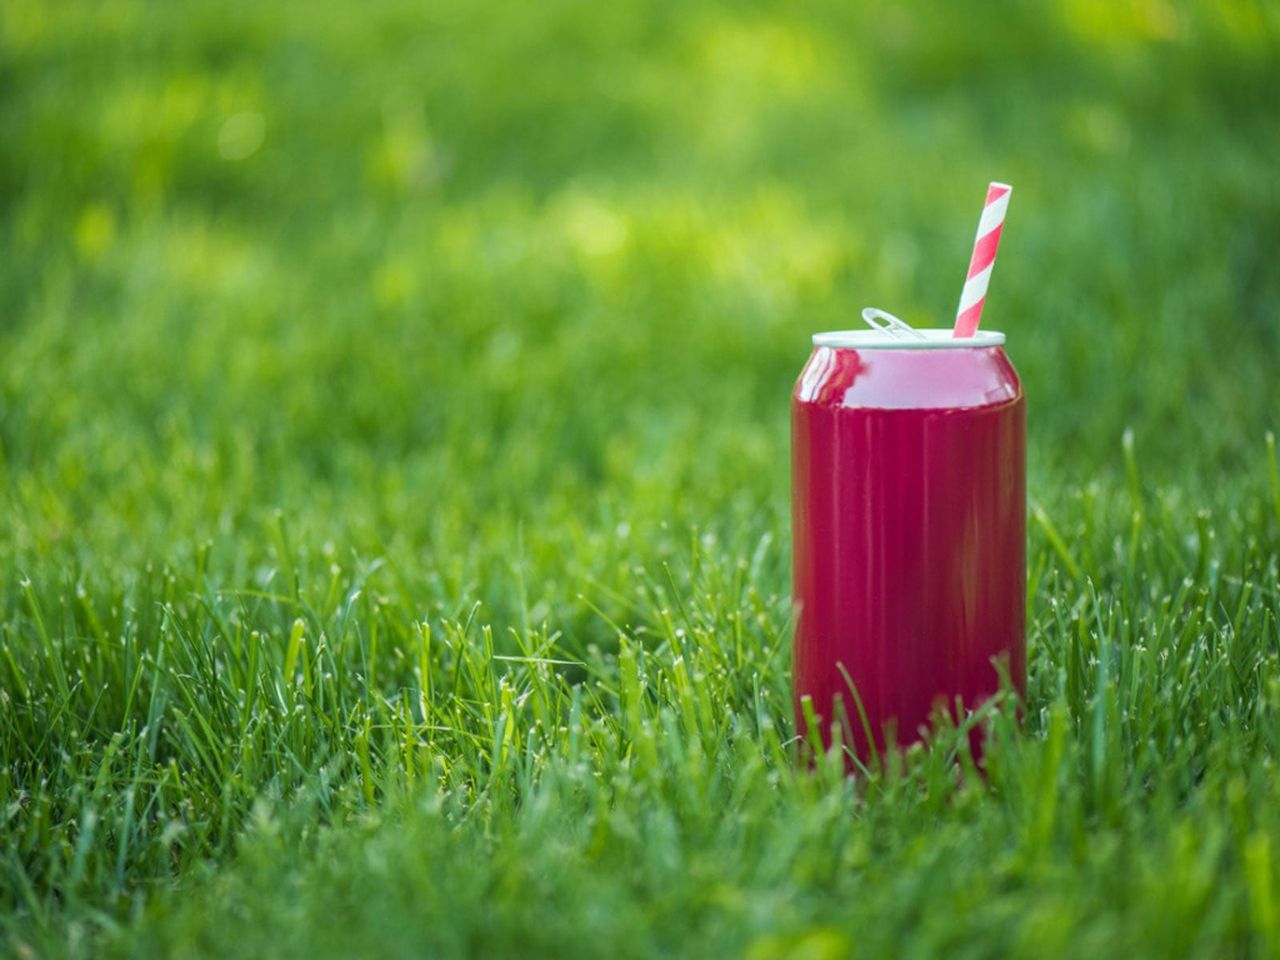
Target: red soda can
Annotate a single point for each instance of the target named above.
(909, 529)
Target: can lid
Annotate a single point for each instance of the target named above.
(889, 333)
(929, 339)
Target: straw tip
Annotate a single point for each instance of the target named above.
(1000, 187)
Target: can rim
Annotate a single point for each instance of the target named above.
(935, 338)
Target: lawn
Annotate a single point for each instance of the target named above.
(394, 554)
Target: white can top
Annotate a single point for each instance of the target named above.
(927, 339)
(889, 333)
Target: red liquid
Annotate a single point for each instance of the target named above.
(909, 529)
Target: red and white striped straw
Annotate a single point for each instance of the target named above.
(983, 259)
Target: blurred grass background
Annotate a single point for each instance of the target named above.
(477, 262)
(511, 297)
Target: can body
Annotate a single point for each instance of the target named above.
(909, 536)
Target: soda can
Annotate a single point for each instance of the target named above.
(909, 530)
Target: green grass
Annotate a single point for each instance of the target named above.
(393, 452)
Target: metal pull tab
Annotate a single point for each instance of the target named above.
(890, 325)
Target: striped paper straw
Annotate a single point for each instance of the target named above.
(983, 259)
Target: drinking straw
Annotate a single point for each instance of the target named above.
(974, 294)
